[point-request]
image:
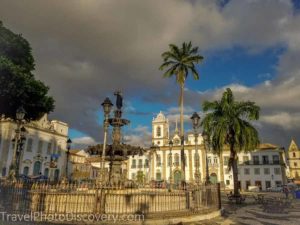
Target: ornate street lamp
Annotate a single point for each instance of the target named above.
(69, 142)
(196, 124)
(107, 106)
(20, 113)
(170, 164)
(18, 140)
(205, 141)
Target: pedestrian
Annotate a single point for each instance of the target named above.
(286, 192)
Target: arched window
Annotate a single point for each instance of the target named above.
(158, 131)
(26, 170)
(197, 159)
(176, 159)
(36, 168)
(169, 159)
(46, 172)
(158, 160)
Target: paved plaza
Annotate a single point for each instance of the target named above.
(251, 213)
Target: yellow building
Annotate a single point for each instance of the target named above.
(294, 161)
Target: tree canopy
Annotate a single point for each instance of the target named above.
(18, 86)
(228, 122)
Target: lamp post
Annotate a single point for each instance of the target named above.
(205, 140)
(107, 105)
(18, 140)
(69, 142)
(170, 164)
(196, 124)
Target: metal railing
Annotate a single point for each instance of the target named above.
(82, 199)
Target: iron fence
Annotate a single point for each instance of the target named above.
(83, 199)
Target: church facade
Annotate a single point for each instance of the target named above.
(43, 151)
(263, 167)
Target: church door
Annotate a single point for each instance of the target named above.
(177, 177)
(36, 168)
(213, 178)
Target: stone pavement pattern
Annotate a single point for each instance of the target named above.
(252, 214)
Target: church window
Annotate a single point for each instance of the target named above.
(29, 145)
(176, 159)
(169, 159)
(226, 159)
(40, 146)
(196, 157)
(294, 154)
(209, 160)
(215, 160)
(158, 131)
(158, 175)
(158, 160)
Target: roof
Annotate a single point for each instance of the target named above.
(293, 146)
(74, 151)
(267, 146)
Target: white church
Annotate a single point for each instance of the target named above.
(263, 168)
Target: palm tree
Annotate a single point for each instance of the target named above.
(228, 124)
(179, 62)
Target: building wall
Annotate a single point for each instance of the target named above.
(43, 139)
(161, 170)
(294, 161)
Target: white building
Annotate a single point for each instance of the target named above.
(263, 167)
(43, 151)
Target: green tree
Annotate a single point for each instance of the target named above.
(18, 87)
(179, 62)
(227, 123)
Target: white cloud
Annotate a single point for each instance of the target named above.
(84, 141)
(90, 48)
(139, 136)
(285, 120)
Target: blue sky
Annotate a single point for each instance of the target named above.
(89, 49)
(220, 68)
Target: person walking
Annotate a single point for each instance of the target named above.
(286, 192)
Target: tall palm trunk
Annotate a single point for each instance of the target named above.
(221, 169)
(182, 132)
(234, 170)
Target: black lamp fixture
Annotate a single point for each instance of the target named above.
(107, 105)
(196, 119)
(20, 113)
(69, 142)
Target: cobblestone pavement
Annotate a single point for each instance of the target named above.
(251, 213)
